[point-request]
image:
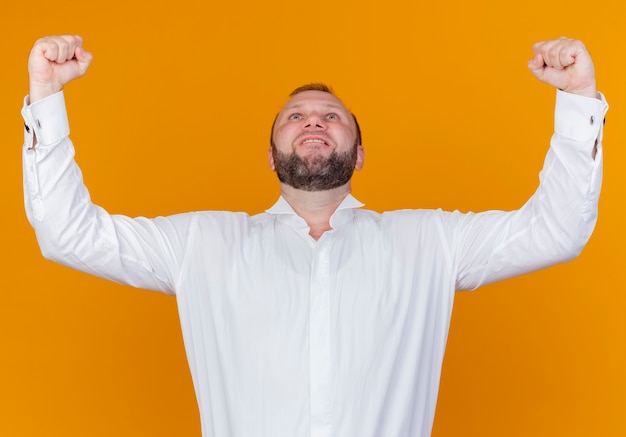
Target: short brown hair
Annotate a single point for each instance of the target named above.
(316, 86)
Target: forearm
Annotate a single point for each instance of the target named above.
(70, 229)
(557, 221)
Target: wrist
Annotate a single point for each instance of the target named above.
(589, 91)
(38, 91)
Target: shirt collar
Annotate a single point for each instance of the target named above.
(342, 214)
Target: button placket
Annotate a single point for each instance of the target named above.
(319, 332)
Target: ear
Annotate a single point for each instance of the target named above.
(360, 158)
(270, 159)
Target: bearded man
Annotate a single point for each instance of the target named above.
(315, 318)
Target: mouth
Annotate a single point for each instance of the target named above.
(313, 140)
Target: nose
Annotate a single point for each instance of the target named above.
(314, 121)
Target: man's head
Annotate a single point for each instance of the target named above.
(315, 140)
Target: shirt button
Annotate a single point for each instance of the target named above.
(591, 120)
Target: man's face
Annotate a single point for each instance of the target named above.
(314, 143)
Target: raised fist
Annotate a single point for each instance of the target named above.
(565, 64)
(53, 62)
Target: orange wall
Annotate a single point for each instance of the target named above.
(174, 116)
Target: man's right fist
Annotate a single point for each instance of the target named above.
(53, 62)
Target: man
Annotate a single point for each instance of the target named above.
(315, 318)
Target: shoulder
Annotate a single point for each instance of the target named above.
(402, 220)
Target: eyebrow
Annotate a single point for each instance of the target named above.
(328, 105)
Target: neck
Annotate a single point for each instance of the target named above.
(315, 207)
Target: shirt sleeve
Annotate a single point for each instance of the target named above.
(556, 222)
(71, 230)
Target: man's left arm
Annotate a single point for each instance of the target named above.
(557, 221)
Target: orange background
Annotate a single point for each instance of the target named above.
(174, 115)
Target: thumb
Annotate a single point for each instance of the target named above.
(83, 59)
(537, 66)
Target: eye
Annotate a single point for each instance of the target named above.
(295, 116)
(332, 116)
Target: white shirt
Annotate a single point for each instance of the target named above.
(287, 336)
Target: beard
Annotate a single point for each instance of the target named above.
(315, 173)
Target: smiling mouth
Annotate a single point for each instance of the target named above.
(314, 140)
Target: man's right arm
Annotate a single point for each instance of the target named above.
(70, 229)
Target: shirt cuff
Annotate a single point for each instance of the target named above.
(46, 118)
(579, 118)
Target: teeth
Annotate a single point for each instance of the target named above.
(313, 141)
